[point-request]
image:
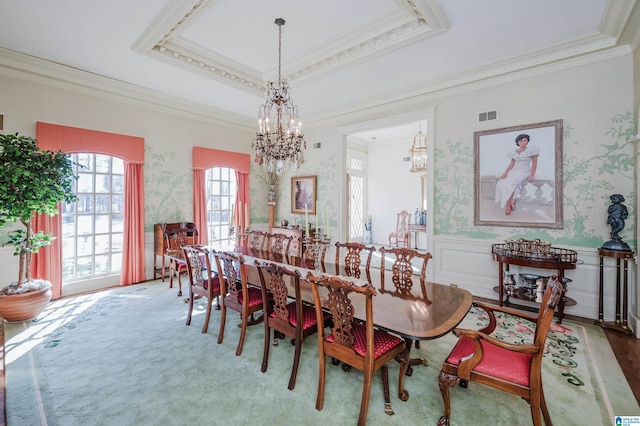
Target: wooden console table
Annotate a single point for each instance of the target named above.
(621, 321)
(558, 259)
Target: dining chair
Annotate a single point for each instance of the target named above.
(257, 240)
(278, 246)
(403, 263)
(352, 260)
(202, 281)
(175, 241)
(400, 237)
(237, 294)
(513, 368)
(285, 316)
(315, 253)
(357, 344)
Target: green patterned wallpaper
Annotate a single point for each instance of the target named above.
(587, 185)
(168, 189)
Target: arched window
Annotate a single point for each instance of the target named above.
(205, 159)
(48, 263)
(93, 226)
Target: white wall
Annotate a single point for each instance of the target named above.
(392, 187)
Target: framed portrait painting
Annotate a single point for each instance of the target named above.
(518, 176)
(303, 194)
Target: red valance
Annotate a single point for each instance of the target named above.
(206, 158)
(54, 137)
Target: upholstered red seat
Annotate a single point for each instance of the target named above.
(383, 341)
(308, 315)
(496, 362)
(255, 297)
(215, 283)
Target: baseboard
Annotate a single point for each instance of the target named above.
(634, 323)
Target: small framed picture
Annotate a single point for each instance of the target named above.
(518, 176)
(303, 194)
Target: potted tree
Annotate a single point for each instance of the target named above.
(31, 181)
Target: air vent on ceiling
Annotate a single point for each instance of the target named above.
(487, 116)
(317, 145)
(406, 159)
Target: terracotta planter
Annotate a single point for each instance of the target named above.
(24, 306)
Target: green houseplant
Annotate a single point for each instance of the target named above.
(31, 181)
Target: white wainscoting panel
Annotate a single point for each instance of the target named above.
(469, 264)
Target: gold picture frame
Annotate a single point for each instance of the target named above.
(538, 199)
(303, 194)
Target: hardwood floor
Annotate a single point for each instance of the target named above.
(627, 351)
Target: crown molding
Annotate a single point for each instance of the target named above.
(36, 70)
(413, 20)
(416, 97)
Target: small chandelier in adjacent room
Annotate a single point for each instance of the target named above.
(419, 152)
(279, 142)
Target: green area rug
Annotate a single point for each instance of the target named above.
(126, 357)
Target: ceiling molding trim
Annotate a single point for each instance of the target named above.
(615, 16)
(36, 70)
(431, 13)
(162, 41)
(415, 97)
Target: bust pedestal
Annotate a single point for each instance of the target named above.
(621, 322)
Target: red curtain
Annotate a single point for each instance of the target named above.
(133, 265)
(48, 262)
(206, 158)
(200, 205)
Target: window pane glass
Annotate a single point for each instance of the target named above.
(68, 226)
(101, 264)
(102, 244)
(85, 203)
(103, 223)
(117, 203)
(117, 166)
(103, 163)
(85, 183)
(116, 242)
(103, 203)
(85, 162)
(85, 225)
(117, 182)
(116, 262)
(85, 245)
(84, 267)
(103, 183)
(117, 224)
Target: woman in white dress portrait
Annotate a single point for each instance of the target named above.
(522, 165)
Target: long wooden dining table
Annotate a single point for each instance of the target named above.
(427, 311)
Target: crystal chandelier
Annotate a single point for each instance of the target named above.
(279, 141)
(419, 152)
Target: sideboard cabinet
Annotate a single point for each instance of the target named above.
(162, 235)
(557, 259)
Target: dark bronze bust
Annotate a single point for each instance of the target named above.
(617, 214)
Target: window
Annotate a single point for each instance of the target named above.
(221, 197)
(357, 191)
(92, 227)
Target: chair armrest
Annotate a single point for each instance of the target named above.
(491, 309)
(470, 361)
